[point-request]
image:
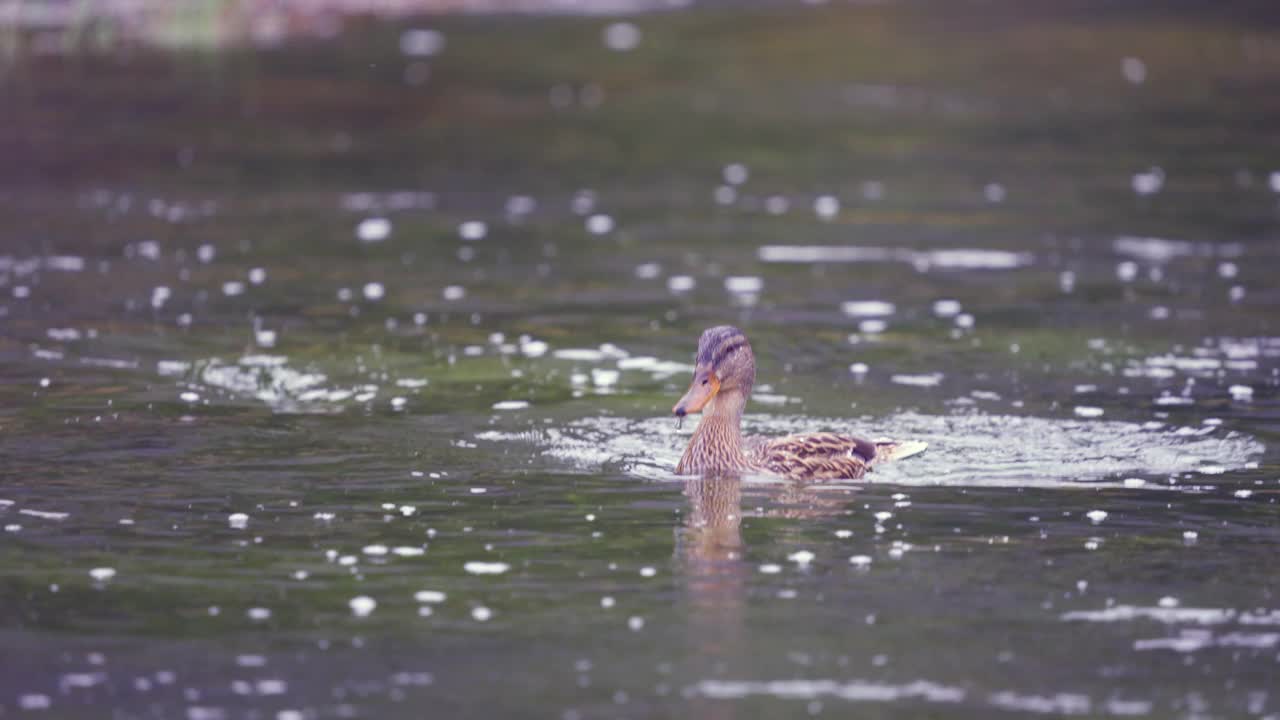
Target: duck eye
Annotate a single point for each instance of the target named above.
(705, 381)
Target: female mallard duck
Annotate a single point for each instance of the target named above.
(723, 374)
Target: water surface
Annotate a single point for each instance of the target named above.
(335, 380)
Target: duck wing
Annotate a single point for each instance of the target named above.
(813, 456)
(823, 456)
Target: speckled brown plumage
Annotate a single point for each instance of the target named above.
(722, 382)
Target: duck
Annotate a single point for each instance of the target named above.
(723, 376)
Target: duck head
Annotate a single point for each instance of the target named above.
(724, 366)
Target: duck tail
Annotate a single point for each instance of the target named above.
(890, 451)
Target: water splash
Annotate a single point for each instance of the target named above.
(964, 450)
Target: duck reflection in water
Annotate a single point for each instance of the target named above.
(710, 556)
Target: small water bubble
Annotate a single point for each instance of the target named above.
(725, 195)
(1274, 181)
(583, 202)
(429, 596)
(680, 283)
(607, 602)
(238, 521)
(621, 36)
(1086, 411)
(872, 327)
(1149, 182)
(648, 271)
(258, 614)
(770, 568)
(159, 296)
(511, 405)
(604, 377)
(801, 557)
(34, 701)
(520, 205)
(102, 574)
(946, 308)
(648, 572)
(362, 605)
(635, 623)
(189, 397)
(735, 173)
(232, 288)
(149, 249)
(867, 308)
(454, 293)
(1096, 516)
(473, 230)
(744, 284)
(486, 568)
(776, 205)
(1127, 271)
(860, 561)
(1134, 70)
(534, 348)
(271, 686)
(994, 193)
(374, 291)
(1241, 393)
(1067, 281)
(421, 42)
(374, 229)
(481, 613)
(599, 224)
(858, 368)
(826, 207)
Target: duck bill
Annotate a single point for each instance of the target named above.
(699, 394)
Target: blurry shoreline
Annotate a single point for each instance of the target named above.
(56, 26)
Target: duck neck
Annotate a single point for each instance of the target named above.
(717, 443)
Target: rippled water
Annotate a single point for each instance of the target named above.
(336, 381)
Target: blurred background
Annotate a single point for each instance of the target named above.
(338, 341)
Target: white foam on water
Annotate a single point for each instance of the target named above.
(853, 690)
(946, 258)
(925, 380)
(972, 449)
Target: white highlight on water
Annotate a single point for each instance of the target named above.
(476, 567)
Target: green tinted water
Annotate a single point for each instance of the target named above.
(338, 385)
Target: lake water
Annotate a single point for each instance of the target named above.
(335, 378)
